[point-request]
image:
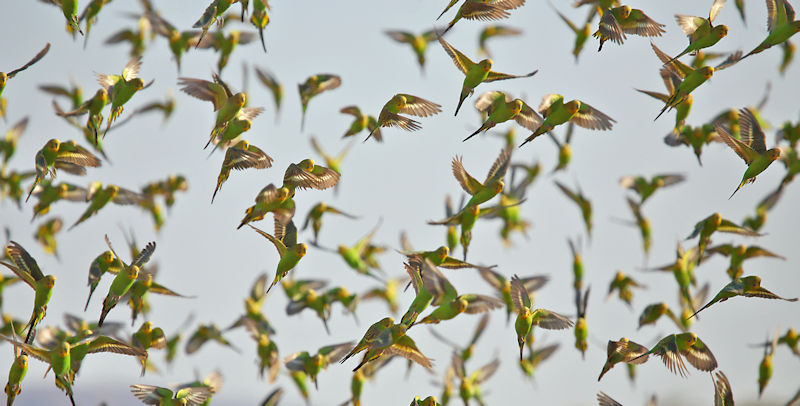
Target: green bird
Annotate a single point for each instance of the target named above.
(361, 122)
(241, 156)
(89, 15)
(491, 186)
(137, 37)
(751, 147)
(307, 175)
(788, 56)
(683, 272)
(738, 254)
(268, 80)
(11, 326)
(529, 364)
(225, 44)
(622, 284)
(747, 286)
(313, 86)
(415, 268)
(781, 24)
(299, 378)
(483, 10)
(46, 235)
(84, 343)
(11, 185)
(99, 197)
(271, 199)
(475, 73)
(310, 299)
(354, 255)
(213, 13)
(313, 364)
(394, 341)
(166, 107)
(67, 156)
(449, 303)
(368, 340)
(564, 149)
(125, 278)
(618, 21)
(141, 287)
(402, 103)
(229, 106)
(577, 264)
(674, 347)
(692, 77)
(653, 312)
(259, 18)
(555, 112)
(584, 204)
(702, 32)
(765, 367)
(121, 88)
(70, 10)
(16, 374)
(179, 41)
(581, 33)
(645, 187)
(466, 219)
(643, 224)
(332, 162)
(155, 395)
(314, 217)
(147, 337)
(204, 334)
(672, 81)
(58, 358)
(5, 76)
(581, 328)
(502, 285)
(94, 108)
(418, 42)
(289, 250)
(105, 262)
(623, 350)
(388, 293)
(8, 144)
(500, 108)
(74, 92)
(528, 317)
(27, 270)
(715, 223)
(494, 30)
(266, 350)
(469, 387)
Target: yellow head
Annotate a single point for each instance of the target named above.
(3, 79)
(133, 272)
(49, 281)
(53, 145)
(443, 252)
(721, 30)
(486, 65)
(239, 99)
(138, 83)
(306, 165)
(774, 154)
(619, 277)
(302, 248)
(625, 12)
(498, 187)
(707, 72)
(63, 349)
(573, 106)
(147, 327)
(516, 108)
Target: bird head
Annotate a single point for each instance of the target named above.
(691, 339)
(322, 206)
(147, 280)
(721, 30)
(283, 193)
(619, 277)
(341, 249)
(49, 281)
(63, 349)
(239, 99)
(498, 187)
(302, 248)
(101, 94)
(443, 252)
(306, 165)
(398, 101)
(3, 79)
(774, 153)
(707, 72)
(133, 272)
(716, 219)
(625, 12)
(107, 257)
(486, 65)
(516, 108)
(22, 361)
(53, 145)
(138, 83)
(146, 328)
(573, 107)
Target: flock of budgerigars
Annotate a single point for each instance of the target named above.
(435, 299)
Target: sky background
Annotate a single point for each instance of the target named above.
(404, 181)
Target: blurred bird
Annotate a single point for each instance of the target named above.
(581, 33)
(46, 235)
(314, 217)
(583, 204)
(653, 312)
(312, 365)
(5, 76)
(581, 328)
(268, 80)
(623, 350)
(646, 187)
(622, 284)
(470, 384)
(99, 197)
(67, 156)
(362, 121)
(213, 13)
(155, 395)
(484, 10)
(225, 44)
(715, 223)
(313, 86)
(404, 104)
(204, 334)
(179, 41)
(618, 21)
(494, 30)
(738, 254)
(418, 43)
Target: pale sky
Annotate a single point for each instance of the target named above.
(404, 181)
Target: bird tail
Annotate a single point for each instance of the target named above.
(737, 188)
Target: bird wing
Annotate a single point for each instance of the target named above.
(700, 356)
(467, 182)
(389, 119)
(750, 131)
(35, 59)
(551, 320)
(148, 394)
(277, 243)
(519, 295)
(418, 106)
(741, 149)
(462, 62)
(591, 118)
(499, 167)
(30, 272)
(473, 10)
(638, 23)
(407, 348)
(204, 90)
